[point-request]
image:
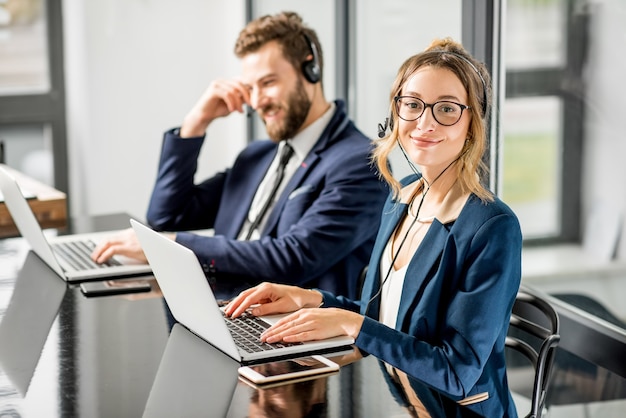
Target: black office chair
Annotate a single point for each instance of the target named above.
(534, 332)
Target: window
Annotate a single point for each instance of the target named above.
(531, 174)
(32, 97)
(23, 48)
(541, 117)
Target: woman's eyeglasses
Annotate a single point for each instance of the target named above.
(446, 113)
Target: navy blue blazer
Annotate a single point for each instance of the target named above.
(455, 306)
(320, 232)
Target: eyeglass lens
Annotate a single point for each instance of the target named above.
(445, 113)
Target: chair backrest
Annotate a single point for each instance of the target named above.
(535, 317)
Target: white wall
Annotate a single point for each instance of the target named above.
(133, 69)
(604, 151)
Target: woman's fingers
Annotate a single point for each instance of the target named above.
(314, 324)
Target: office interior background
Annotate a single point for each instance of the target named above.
(88, 88)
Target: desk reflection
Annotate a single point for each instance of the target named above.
(27, 321)
(420, 400)
(303, 399)
(194, 379)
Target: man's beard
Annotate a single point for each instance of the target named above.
(298, 105)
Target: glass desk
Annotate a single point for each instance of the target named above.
(63, 354)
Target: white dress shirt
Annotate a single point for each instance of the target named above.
(302, 144)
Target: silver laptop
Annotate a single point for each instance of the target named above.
(67, 255)
(192, 302)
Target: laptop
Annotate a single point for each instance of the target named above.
(193, 304)
(67, 255)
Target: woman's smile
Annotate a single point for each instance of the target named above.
(424, 142)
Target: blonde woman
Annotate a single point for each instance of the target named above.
(446, 265)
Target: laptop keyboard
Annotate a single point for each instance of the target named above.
(246, 331)
(78, 255)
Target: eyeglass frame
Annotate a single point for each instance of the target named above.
(463, 107)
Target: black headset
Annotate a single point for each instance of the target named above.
(311, 68)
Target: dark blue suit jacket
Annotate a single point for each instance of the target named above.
(455, 307)
(319, 234)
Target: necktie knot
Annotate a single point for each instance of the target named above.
(285, 155)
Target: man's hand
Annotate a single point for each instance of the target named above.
(221, 98)
(124, 243)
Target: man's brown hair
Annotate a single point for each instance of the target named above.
(288, 30)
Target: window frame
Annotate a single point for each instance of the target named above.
(46, 108)
(482, 35)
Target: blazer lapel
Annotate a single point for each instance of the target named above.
(429, 252)
(331, 132)
(423, 261)
(294, 182)
(238, 213)
(374, 276)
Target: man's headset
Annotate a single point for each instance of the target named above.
(382, 127)
(311, 68)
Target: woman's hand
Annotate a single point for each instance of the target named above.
(272, 299)
(314, 324)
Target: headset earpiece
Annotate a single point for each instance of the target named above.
(311, 68)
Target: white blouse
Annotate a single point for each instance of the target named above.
(391, 288)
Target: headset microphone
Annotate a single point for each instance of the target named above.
(382, 128)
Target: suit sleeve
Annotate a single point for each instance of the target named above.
(176, 202)
(343, 216)
(454, 363)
